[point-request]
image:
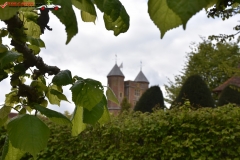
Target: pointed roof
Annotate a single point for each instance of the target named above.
(141, 77)
(115, 71)
(235, 80)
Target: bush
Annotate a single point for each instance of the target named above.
(206, 133)
(230, 94)
(196, 91)
(151, 98)
(125, 105)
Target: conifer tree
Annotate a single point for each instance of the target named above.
(151, 98)
(230, 94)
(196, 91)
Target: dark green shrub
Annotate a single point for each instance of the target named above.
(151, 98)
(196, 91)
(230, 94)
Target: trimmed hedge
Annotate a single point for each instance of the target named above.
(206, 133)
(150, 99)
(230, 94)
(196, 91)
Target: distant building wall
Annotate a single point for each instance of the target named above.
(116, 83)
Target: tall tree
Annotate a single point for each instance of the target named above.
(215, 63)
(151, 98)
(196, 91)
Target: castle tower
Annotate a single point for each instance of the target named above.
(116, 83)
(141, 85)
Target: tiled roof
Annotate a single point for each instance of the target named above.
(115, 71)
(141, 77)
(235, 80)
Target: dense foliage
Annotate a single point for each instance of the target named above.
(173, 134)
(196, 92)
(125, 105)
(150, 99)
(215, 63)
(230, 94)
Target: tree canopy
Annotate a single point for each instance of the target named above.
(215, 63)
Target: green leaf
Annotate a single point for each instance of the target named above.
(77, 121)
(8, 12)
(7, 57)
(111, 96)
(59, 95)
(53, 99)
(28, 133)
(91, 117)
(63, 15)
(185, 9)
(32, 28)
(3, 48)
(115, 17)
(39, 87)
(54, 116)
(162, 16)
(3, 75)
(63, 78)
(10, 152)
(88, 12)
(87, 17)
(37, 84)
(20, 68)
(11, 98)
(4, 112)
(87, 93)
(35, 49)
(105, 116)
(35, 41)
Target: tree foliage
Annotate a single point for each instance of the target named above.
(230, 94)
(169, 14)
(215, 63)
(196, 92)
(125, 105)
(151, 98)
(27, 133)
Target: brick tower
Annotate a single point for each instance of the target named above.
(116, 83)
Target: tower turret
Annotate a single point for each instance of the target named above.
(116, 83)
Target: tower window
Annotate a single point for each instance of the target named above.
(120, 95)
(137, 92)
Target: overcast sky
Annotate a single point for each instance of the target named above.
(91, 53)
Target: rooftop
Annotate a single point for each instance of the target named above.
(141, 77)
(115, 71)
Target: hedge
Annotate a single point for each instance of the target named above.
(206, 133)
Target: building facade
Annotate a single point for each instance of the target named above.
(132, 90)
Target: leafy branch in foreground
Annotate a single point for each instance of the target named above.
(169, 14)
(27, 132)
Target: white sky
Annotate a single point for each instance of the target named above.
(91, 53)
